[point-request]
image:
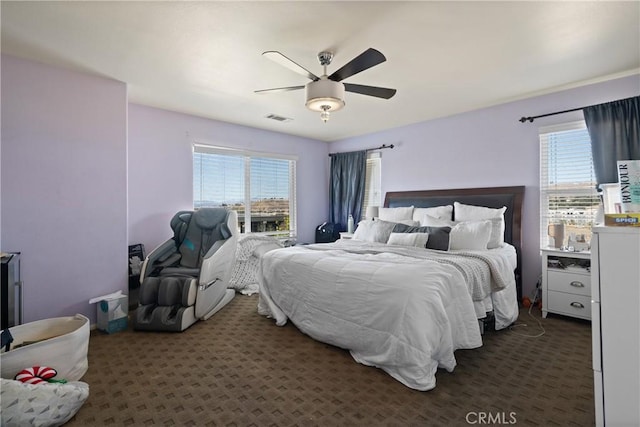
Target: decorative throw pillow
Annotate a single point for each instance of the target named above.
(373, 230)
(496, 233)
(438, 236)
(418, 240)
(442, 212)
(396, 214)
(409, 222)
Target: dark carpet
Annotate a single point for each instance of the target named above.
(239, 369)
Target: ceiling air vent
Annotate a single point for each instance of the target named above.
(278, 118)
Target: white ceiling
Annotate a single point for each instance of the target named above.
(204, 58)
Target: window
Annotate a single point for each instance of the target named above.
(567, 182)
(372, 182)
(260, 187)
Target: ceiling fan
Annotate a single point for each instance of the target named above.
(325, 94)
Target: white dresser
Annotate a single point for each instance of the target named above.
(615, 269)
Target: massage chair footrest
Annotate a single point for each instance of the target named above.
(166, 304)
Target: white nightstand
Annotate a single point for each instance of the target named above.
(346, 236)
(566, 283)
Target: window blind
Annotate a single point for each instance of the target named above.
(373, 182)
(567, 182)
(261, 188)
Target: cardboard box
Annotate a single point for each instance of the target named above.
(112, 312)
(631, 219)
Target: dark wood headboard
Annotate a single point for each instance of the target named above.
(492, 197)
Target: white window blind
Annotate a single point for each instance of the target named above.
(373, 182)
(567, 182)
(260, 187)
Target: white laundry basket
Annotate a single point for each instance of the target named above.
(61, 343)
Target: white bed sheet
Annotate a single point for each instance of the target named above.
(396, 311)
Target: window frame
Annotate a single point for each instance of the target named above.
(247, 155)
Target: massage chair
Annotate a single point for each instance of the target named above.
(185, 278)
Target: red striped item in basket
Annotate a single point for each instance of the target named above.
(36, 375)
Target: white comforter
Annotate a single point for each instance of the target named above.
(396, 311)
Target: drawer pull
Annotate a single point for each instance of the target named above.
(577, 284)
(577, 305)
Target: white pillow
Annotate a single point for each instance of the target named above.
(409, 239)
(374, 230)
(474, 213)
(363, 230)
(431, 221)
(396, 214)
(443, 212)
(496, 240)
(470, 235)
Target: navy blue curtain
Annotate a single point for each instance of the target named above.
(348, 173)
(614, 128)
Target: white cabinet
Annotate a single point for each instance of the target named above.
(615, 268)
(566, 283)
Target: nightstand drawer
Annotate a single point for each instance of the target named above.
(572, 305)
(564, 281)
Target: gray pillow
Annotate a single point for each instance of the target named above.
(438, 236)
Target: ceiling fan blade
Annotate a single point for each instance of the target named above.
(279, 89)
(279, 58)
(379, 92)
(365, 60)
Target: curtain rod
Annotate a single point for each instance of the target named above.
(532, 118)
(368, 149)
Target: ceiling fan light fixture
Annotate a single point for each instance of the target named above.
(324, 116)
(324, 95)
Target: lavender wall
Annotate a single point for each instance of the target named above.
(160, 169)
(484, 148)
(64, 185)
(65, 160)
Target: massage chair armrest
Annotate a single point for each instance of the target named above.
(164, 255)
(218, 262)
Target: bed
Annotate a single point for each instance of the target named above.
(402, 308)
